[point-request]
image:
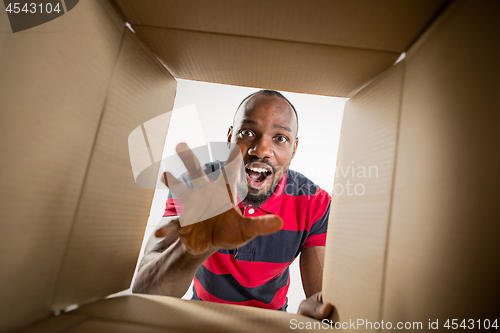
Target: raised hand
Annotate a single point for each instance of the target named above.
(210, 219)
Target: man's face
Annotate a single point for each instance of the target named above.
(265, 129)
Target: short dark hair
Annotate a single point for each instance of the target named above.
(267, 92)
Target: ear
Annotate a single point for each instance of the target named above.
(229, 135)
(295, 145)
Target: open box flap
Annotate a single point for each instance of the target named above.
(318, 47)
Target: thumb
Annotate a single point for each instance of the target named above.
(170, 229)
(262, 225)
(313, 308)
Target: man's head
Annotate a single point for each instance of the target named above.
(265, 128)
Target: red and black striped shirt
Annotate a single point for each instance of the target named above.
(257, 273)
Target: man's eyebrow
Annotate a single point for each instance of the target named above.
(251, 122)
(283, 128)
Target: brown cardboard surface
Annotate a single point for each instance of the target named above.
(112, 327)
(443, 246)
(357, 232)
(257, 62)
(112, 214)
(73, 89)
(318, 47)
(190, 316)
(60, 323)
(384, 25)
(147, 313)
(53, 82)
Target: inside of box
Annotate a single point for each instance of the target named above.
(419, 245)
(319, 47)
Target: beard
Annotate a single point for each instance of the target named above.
(253, 197)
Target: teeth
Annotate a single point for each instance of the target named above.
(258, 169)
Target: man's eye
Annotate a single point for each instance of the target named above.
(246, 133)
(281, 138)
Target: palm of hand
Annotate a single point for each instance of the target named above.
(210, 219)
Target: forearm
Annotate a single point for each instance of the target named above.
(311, 269)
(169, 272)
(313, 284)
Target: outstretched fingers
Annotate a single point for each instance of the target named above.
(191, 163)
(260, 226)
(170, 229)
(169, 180)
(178, 188)
(231, 172)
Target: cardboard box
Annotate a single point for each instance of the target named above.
(419, 246)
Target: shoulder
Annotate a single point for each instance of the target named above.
(299, 185)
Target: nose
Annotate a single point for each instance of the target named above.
(261, 148)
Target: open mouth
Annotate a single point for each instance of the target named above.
(258, 174)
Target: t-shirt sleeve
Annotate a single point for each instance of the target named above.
(317, 233)
(173, 206)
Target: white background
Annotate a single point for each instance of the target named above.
(203, 113)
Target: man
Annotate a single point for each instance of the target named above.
(242, 255)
